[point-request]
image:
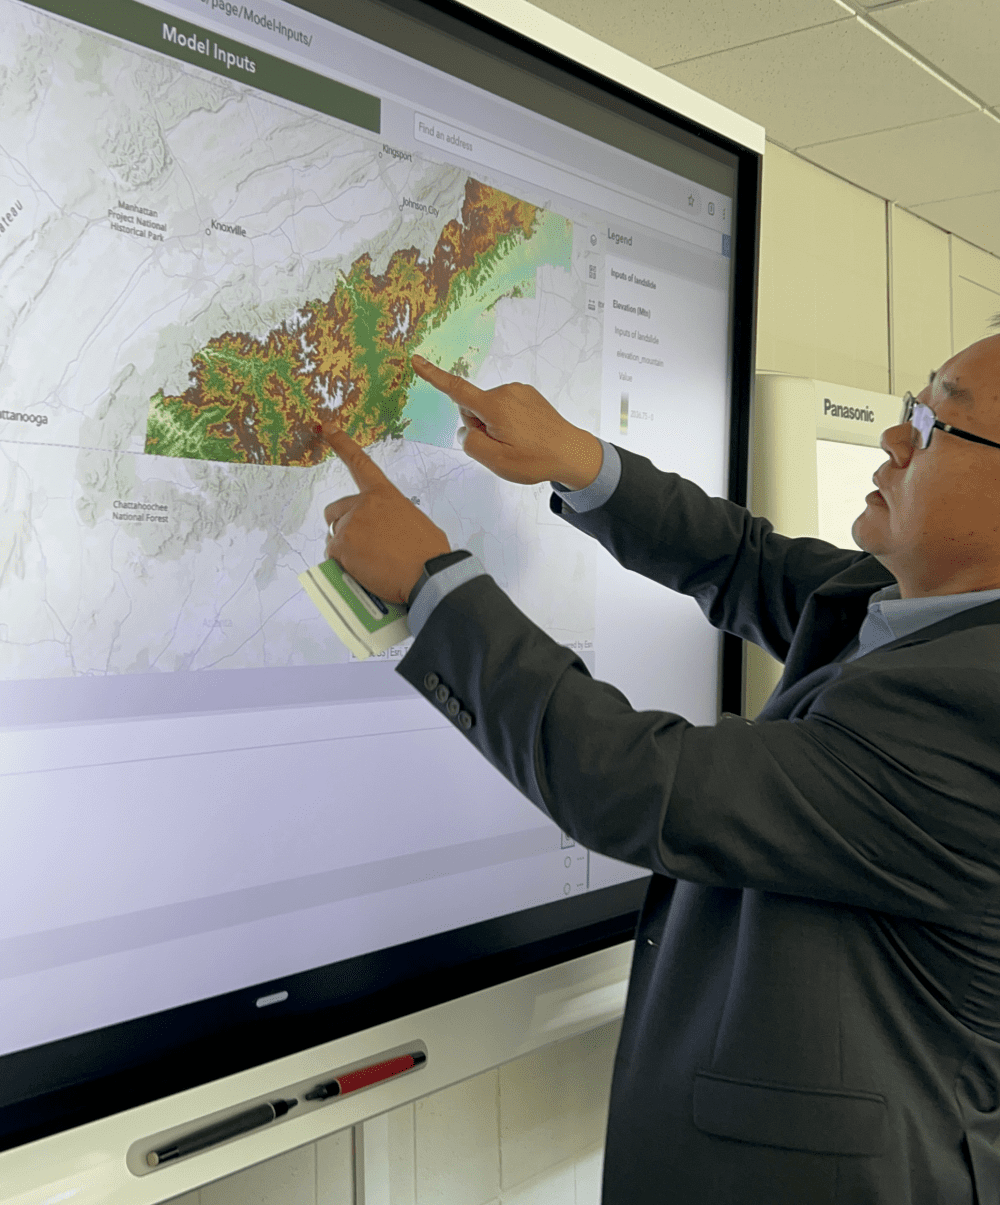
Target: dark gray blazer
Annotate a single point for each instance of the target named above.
(814, 1009)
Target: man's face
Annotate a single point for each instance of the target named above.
(934, 520)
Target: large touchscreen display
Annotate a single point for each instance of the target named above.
(218, 224)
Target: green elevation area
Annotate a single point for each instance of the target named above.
(187, 42)
(257, 401)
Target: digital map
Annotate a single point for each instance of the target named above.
(255, 400)
(191, 275)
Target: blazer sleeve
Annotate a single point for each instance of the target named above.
(747, 579)
(886, 795)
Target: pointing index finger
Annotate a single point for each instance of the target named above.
(366, 473)
(461, 391)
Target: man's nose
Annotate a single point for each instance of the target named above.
(897, 443)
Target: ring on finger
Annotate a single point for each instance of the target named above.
(332, 530)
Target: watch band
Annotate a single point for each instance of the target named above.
(435, 565)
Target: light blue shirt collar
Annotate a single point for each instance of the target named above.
(891, 617)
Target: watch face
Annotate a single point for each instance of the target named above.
(417, 588)
(437, 563)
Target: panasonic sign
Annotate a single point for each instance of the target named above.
(847, 415)
(860, 414)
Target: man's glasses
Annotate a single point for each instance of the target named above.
(923, 420)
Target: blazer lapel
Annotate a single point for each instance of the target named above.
(835, 611)
(832, 616)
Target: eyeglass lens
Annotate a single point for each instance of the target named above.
(921, 418)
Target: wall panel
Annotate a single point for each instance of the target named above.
(921, 300)
(975, 291)
(823, 277)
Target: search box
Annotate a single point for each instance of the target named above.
(457, 141)
(461, 142)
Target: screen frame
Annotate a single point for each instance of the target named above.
(86, 1077)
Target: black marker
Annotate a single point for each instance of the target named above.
(249, 1119)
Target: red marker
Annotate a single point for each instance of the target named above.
(364, 1077)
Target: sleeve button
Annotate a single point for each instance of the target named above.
(465, 720)
(442, 694)
(430, 681)
(453, 707)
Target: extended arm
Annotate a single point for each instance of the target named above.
(856, 803)
(747, 579)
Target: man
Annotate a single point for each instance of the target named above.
(814, 1009)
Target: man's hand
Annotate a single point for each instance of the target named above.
(516, 433)
(381, 538)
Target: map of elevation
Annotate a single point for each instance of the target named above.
(256, 401)
(226, 266)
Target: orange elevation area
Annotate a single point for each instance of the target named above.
(257, 402)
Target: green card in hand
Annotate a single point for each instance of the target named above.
(363, 621)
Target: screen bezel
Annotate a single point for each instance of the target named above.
(67, 1083)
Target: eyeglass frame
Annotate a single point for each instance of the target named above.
(924, 430)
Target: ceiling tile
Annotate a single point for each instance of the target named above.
(976, 219)
(932, 161)
(664, 33)
(958, 36)
(820, 84)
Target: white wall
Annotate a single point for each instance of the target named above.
(528, 1133)
(845, 276)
